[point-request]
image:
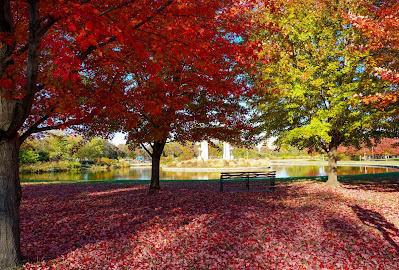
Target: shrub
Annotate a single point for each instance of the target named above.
(28, 156)
(103, 161)
(344, 157)
(74, 166)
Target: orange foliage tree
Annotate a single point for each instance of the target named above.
(380, 25)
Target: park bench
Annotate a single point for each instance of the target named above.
(238, 179)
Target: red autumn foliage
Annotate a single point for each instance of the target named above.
(61, 61)
(386, 147)
(86, 47)
(380, 26)
(190, 225)
(189, 85)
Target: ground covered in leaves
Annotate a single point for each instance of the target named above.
(190, 225)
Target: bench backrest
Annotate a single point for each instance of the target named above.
(247, 175)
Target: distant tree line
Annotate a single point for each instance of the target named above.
(60, 147)
(63, 147)
(385, 148)
(66, 147)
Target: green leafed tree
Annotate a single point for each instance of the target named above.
(92, 149)
(310, 89)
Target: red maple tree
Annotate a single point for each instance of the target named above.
(185, 108)
(193, 90)
(383, 147)
(61, 63)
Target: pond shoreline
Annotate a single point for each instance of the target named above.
(278, 163)
(229, 169)
(325, 163)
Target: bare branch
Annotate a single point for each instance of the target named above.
(47, 128)
(145, 148)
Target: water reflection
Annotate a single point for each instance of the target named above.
(145, 173)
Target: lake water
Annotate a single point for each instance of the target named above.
(134, 173)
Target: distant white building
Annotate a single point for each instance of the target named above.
(204, 155)
(227, 154)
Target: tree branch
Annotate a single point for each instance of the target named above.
(50, 22)
(42, 30)
(116, 7)
(149, 18)
(47, 128)
(35, 129)
(32, 129)
(145, 148)
(92, 48)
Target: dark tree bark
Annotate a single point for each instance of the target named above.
(13, 113)
(10, 198)
(157, 150)
(332, 167)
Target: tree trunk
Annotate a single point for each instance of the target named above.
(332, 167)
(10, 198)
(156, 161)
(13, 113)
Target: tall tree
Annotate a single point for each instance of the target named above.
(205, 116)
(60, 63)
(194, 88)
(314, 77)
(186, 104)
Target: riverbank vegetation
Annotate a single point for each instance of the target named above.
(69, 152)
(58, 152)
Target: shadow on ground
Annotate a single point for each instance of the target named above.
(193, 219)
(376, 183)
(377, 221)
